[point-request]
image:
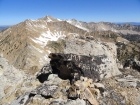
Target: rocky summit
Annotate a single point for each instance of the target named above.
(50, 61)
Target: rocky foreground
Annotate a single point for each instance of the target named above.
(65, 81)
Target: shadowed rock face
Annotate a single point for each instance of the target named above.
(72, 66)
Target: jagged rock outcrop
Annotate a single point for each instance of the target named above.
(53, 87)
(57, 91)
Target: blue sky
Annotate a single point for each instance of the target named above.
(15, 11)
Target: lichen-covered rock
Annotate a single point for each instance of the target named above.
(55, 91)
(132, 63)
(45, 90)
(53, 87)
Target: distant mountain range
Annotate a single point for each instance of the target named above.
(73, 21)
(3, 27)
(132, 23)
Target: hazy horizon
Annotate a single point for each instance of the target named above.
(7, 25)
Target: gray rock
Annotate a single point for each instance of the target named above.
(46, 90)
(128, 81)
(69, 102)
(53, 87)
(22, 100)
(76, 102)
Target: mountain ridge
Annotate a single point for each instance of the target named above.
(34, 37)
(50, 56)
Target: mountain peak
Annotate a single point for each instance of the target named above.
(49, 18)
(74, 20)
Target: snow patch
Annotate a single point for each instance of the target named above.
(59, 19)
(104, 29)
(113, 30)
(77, 24)
(83, 28)
(74, 34)
(49, 20)
(48, 36)
(69, 21)
(49, 51)
(33, 20)
(46, 58)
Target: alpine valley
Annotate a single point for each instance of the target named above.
(50, 61)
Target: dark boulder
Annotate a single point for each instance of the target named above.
(72, 66)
